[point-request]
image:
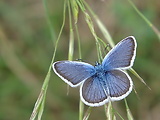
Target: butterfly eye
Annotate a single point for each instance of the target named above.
(97, 63)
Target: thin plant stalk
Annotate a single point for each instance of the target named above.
(50, 25)
(109, 111)
(118, 114)
(75, 10)
(91, 27)
(81, 104)
(157, 32)
(81, 109)
(79, 43)
(101, 26)
(139, 77)
(71, 38)
(129, 114)
(87, 114)
(39, 105)
(72, 5)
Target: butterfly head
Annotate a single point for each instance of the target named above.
(97, 63)
(99, 68)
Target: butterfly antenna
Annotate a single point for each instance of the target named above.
(79, 59)
(97, 63)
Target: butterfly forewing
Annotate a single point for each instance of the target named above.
(122, 55)
(73, 72)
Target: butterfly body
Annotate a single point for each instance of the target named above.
(99, 69)
(100, 74)
(103, 82)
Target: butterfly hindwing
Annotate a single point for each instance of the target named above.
(92, 92)
(122, 55)
(113, 85)
(119, 84)
(73, 72)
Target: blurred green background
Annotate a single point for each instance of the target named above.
(26, 50)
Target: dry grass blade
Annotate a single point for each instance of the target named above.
(139, 77)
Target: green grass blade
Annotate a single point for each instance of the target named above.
(75, 10)
(157, 32)
(109, 111)
(79, 43)
(87, 114)
(101, 26)
(81, 109)
(36, 107)
(139, 77)
(81, 104)
(129, 114)
(104, 31)
(41, 108)
(119, 115)
(71, 38)
(91, 27)
(39, 105)
(53, 37)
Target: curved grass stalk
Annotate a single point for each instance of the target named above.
(81, 109)
(72, 5)
(101, 26)
(129, 114)
(157, 32)
(91, 27)
(118, 114)
(139, 77)
(79, 43)
(75, 10)
(108, 110)
(71, 36)
(81, 104)
(50, 25)
(39, 105)
(87, 114)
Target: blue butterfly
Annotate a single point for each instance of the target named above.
(103, 82)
